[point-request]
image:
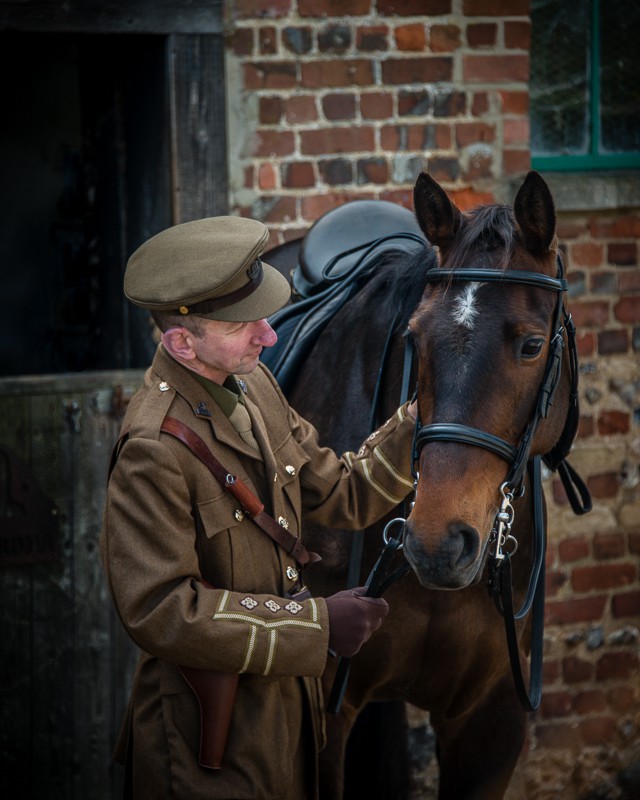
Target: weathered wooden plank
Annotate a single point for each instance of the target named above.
(198, 130)
(65, 663)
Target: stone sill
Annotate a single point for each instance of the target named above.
(588, 191)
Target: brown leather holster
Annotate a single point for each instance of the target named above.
(216, 694)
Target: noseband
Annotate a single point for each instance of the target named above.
(515, 456)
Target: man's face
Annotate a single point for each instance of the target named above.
(231, 347)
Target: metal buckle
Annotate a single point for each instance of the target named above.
(501, 532)
(387, 538)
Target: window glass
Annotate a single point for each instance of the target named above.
(619, 63)
(585, 93)
(559, 69)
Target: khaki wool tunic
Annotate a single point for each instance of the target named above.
(168, 523)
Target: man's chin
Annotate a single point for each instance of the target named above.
(248, 366)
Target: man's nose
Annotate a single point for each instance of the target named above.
(265, 333)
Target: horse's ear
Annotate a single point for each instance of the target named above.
(436, 214)
(535, 214)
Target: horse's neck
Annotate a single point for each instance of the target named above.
(336, 386)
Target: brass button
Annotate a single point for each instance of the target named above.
(292, 573)
(238, 515)
(290, 469)
(284, 522)
(183, 310)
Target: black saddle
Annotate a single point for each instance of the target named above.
(335, 259)
(336, 241)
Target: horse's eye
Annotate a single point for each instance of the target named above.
(531, 347)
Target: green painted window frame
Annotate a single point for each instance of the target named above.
(592, 160)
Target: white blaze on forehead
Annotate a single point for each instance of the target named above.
(464, 307)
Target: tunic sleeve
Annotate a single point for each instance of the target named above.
(356, 489)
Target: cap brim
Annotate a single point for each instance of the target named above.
(272, 294)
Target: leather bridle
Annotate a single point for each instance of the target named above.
(516, 456)
(519, 460)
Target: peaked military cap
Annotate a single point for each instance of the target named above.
(207, 268)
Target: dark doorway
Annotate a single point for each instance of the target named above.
(90, 152)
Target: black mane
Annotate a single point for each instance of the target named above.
(485, 232)
(405, 279)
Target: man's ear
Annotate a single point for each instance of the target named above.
(178, 342)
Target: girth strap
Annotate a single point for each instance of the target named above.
(240, 491)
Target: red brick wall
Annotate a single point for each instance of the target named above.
(331, 101)
(355, 106)
(590, 714)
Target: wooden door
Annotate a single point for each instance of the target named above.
(107, 138)
(113, 129)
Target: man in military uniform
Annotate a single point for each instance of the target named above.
(200, 587)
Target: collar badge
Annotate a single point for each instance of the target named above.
(202, 410)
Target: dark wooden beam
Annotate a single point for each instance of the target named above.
(198, 138)
(117, 16)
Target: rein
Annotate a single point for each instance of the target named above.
(501, 590)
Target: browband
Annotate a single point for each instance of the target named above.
(495, 276)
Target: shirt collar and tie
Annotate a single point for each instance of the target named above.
(229, 398)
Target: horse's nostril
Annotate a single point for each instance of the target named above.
(446, 561)
(465, 544)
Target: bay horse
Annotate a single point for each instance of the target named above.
(486, 316)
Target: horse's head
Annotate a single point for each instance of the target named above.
(486, 345)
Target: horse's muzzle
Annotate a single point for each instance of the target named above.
(451, 561)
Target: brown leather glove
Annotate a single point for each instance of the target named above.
(352, 619)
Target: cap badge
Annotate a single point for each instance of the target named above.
(254, 269)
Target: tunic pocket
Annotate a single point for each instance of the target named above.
(234, 552)
(221, 513)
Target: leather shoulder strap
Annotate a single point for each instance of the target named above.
(240, 491)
